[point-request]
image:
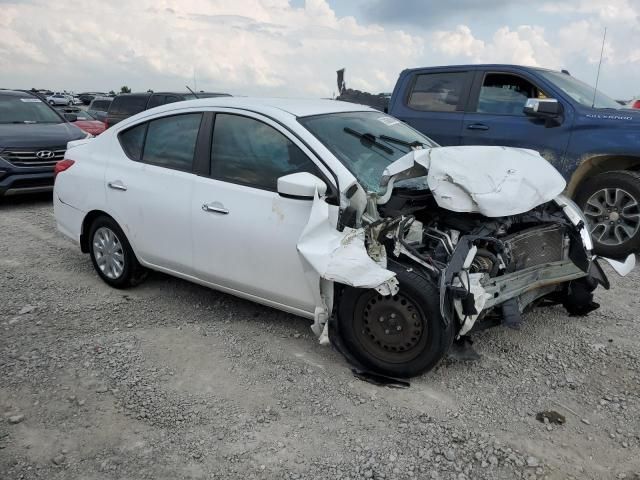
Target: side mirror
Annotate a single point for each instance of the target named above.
(548, 109)
(301, 186)
(71, 117)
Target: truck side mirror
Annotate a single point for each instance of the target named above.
(548, 109)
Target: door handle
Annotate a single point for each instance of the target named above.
(477, 126)
(117, 185)
(214, 208)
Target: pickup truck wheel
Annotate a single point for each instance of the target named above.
(111, 254)
(399, 336)
(611, 203)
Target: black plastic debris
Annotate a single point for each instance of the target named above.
(552, 417)
(380, 380)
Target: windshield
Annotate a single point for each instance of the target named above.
(26, 110)
(365, 142)
(579, 91)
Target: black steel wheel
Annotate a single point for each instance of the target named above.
(401, 335)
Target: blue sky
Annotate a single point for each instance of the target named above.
(293, 47)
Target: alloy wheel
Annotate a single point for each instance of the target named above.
(614, 216)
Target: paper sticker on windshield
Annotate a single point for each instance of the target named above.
(389, 121)
(30, 100)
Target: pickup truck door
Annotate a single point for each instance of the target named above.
(433, 103)
(495, 116)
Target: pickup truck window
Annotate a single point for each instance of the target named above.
(579, 91)
(437, 92)
(505, 94)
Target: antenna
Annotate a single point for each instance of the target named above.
(595, 89)
(194, 93)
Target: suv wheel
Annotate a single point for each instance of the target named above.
(611, 203)
(401, 335)
(112, 256)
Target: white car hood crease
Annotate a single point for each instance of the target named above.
(492, 181)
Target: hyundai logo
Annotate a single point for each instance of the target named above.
(44, 154)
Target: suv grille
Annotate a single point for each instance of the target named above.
(33, 157)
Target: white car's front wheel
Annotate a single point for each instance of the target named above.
(400, 336)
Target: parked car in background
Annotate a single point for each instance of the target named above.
(33, 137)
(634, 104)
(320, 207)
(99, 107)
(76, 100)
(59, 99)
(128, 104)
(591, 140)
(86, 97)
(86, 121)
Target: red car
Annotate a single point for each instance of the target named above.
(88, 123)
(634, 104)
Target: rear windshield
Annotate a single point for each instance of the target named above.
(26, 110)
(100, 105)
(128, 104)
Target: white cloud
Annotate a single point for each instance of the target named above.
(267, 47)
(242, 46)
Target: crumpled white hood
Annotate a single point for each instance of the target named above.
(493, 181)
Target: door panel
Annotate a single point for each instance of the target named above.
(252, 247)
(497, 118)
(153, 211)
(150, 185)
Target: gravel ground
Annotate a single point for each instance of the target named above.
(171, 380)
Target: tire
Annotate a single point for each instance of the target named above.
(383, 343)
(125, 270)
(611, 202)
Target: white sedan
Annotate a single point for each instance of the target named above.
(59, 99)
(394, 247)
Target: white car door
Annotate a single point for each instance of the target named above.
(149, 188)
(244, 232)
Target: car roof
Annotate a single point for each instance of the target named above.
(298, 107)
(479, 66)
(15, 93)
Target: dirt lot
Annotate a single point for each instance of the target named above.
(171, 380)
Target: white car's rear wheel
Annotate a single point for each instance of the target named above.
(112, 256)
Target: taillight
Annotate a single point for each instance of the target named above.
(61, 166)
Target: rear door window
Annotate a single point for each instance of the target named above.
(132, 141)
(438, 92)
(171, 141)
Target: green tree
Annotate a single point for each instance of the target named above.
(125, 89)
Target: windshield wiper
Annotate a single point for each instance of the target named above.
(369, 138)
(413, 144)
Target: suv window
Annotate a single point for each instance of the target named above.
(128, 104)
(252, 153)
(171, 141)
(437, 92)
(100, 105)
(502, 93)
(156, 100)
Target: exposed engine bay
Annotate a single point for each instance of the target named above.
(456, 239)
(478, 262)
